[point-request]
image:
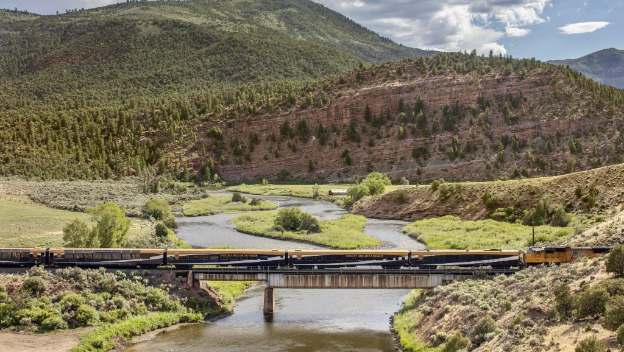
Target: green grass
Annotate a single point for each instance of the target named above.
(24, 223)
(345, 233)
(301, 190)
(229, 292)
(405, 323)
(453, 232)
(222, 204)
(106, 337)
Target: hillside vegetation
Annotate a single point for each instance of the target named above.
(597, 191)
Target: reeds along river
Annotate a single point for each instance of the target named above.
(305, 320)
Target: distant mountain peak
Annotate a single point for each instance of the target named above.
(605, 66)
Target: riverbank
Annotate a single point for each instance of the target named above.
(217, 204)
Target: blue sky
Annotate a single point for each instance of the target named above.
(545, 29)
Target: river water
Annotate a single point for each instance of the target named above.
(305, 320)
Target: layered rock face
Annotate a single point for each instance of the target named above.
(456, 127)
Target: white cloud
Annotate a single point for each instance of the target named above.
(516, 31)
(583, 27)
(448, 25)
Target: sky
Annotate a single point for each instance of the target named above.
(544, 29)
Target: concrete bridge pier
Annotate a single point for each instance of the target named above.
(269, 304)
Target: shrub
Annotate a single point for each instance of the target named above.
(310, 223)
(376, 183)
(255, 202)
(71, 301)
(591, 302)
(404, 181)
(161, 231)
(559, 217)
(615, 263)
(483, 329)
(436, 184)
(238, 198)
(86, 315)
(77, 234)
(7, 315)
(456, 343)
(357, 192)
(34, 285)
(157, 208)
(316, 192)
(614, 313)
(53, 322)
(620, 335)
(590, 344)
(293, 219)
(564, 303)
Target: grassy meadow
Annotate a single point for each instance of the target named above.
(24, 223)
(216, 204)
(346, 232)
(453, 232)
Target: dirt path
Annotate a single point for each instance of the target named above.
(55, 342)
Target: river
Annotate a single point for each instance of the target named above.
(305, 320)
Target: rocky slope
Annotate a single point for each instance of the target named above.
(451, 116)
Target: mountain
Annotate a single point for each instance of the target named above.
(162, 47)
(451, 116)
(605, 66)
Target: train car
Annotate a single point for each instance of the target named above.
(589, 252)
(21, 257)
(493, 258)
(307, 258)
(548, 255)
(105, 257)
(185, 258)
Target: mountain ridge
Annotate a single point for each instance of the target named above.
(605, 66)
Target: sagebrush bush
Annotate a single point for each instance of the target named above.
(157, 209)
(614, 313)
(615, 262)
(564, 302)
(591, 302)
(34, 285)
(620, 335)
(590, 344)
(357, 192)
(376, 182)
(455, 343)
(86, 315)
(482, 330)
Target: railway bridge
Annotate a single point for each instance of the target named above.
(337, 279)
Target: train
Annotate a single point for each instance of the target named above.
(125, 258)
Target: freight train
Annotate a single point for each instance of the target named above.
(300, 259)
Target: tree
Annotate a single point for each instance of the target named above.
(111, 225)
(357, 192)
(77, 234)
(615, 263)
(157, 209)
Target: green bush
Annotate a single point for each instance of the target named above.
(255, 202)
(86, 315)
(559, 217)
(71, 301)
(482, 330)
(376, 182)
(357, 192)
(161, 231)
(293, 219)
(238, 198)
(564, 302)
(157, 209)
(615, 263)
(53, 322)
(77, 234)
(590, 344)
(436, 184)
(455, 343)
(591, 302)
(614, 313)
(620, 335)
(34, 285)
(7, 315)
